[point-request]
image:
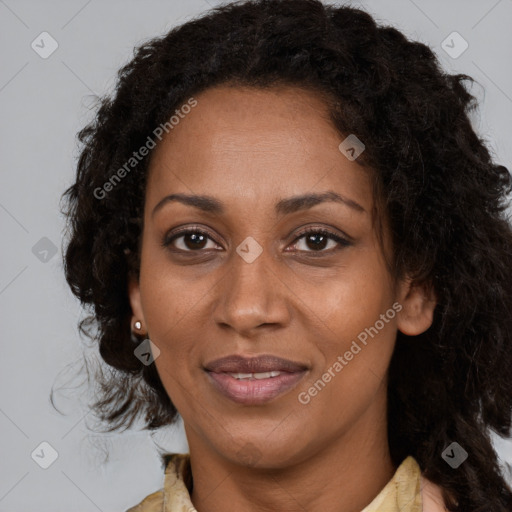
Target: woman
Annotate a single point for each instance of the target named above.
(285, 206)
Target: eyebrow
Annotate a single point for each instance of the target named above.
(286, 206)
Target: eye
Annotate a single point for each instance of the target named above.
(189, 240)
(316, 240)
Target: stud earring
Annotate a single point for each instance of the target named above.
(137, 325)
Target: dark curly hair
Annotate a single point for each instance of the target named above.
(434, 178)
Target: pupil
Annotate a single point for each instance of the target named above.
(196, 239)
(316, 245)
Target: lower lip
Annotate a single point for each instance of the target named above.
(256, 391)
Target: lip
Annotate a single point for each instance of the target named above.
(255, 391)
(265, 363)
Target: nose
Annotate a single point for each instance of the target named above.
(251, 297)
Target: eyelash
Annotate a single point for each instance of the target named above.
(343, 242)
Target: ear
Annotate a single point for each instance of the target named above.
(135, 301)
(418, 304)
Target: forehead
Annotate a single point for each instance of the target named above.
(256, 143)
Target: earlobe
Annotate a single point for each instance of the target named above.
(135, 300)
(418, 304)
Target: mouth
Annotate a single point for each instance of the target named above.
(254, 380)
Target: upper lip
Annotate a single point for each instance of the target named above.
(264, 363)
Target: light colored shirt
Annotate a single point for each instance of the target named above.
(407, 491)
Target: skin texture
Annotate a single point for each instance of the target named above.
(249, 149)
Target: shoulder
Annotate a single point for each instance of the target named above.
(431, 496)
(152, 503)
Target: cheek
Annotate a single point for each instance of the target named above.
(352, 372)
(353, 301)
(168, 298)
(358, 325)
(168, 317)
(178, 363)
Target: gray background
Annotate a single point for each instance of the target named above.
(44, 102)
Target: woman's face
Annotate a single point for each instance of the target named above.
(255, 169)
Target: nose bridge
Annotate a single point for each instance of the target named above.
(249, 295)
(249, 267)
